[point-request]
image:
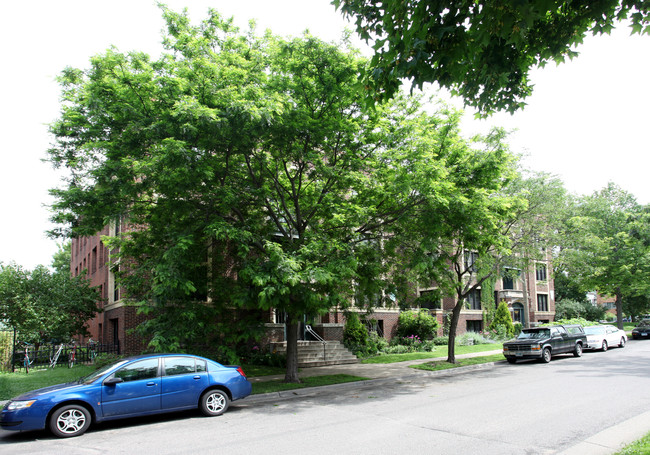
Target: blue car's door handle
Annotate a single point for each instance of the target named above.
(197, 377)
(151, 384)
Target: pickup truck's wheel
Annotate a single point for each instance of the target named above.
(604, 345)
(622, 343)
(577, 351)
(511, 359)
(546, 355)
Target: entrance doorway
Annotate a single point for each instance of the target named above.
(517, 313)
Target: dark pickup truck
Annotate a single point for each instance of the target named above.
(544, 342)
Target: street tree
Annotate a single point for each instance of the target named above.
(481, 50)
(247, 174)
(456, 243)
(610, 254)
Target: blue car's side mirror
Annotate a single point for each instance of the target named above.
(113, 381)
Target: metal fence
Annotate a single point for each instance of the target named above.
(46, 354)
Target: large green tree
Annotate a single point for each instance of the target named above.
(42, 305)
(247, 170)
(455, 243)
(481, 50)
(609, 250)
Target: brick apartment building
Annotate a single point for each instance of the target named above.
(89, 255)
(113, 326)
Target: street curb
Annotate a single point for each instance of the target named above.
(612, 439)
(313, 391)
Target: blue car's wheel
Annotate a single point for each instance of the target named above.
(71, 420)
(214, 402)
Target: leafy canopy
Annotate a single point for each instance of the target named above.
(481, 50)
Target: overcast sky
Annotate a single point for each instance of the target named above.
(586, 121)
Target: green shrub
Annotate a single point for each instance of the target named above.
(354, 332)
(503, 319)
(358, 340)
(571, 309)
(257, 356)
(574, 321)
(472, 338)
(440, 341)
(417, 323)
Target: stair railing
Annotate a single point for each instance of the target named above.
(313, 333)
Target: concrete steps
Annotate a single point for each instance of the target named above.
(318, 354)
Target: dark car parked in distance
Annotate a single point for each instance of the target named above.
(642, 330)
(544, 342)
(133, 387)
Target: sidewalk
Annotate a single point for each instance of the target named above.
(375, 370)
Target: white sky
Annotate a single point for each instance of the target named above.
(585, 121)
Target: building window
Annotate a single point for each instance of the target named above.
(470, 260)
(93, 260)
(542, 302)
(540, 272)
(509, 279)
(474, 299)
(474, 326)
(430, 299)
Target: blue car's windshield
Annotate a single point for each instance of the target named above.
(534, 334)
(98, 373)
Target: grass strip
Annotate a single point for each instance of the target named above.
(638, 447)
(441, 351)
(312, 381)
(254, 371)
(444, 365)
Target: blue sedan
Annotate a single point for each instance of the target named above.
(133, 387)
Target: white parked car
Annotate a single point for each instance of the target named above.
(604, 336)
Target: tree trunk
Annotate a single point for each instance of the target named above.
(291, 374)
(527, 302)
(453, 326)
(619, 309)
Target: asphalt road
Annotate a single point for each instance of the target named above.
(572, 405)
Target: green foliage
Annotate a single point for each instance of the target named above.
(441, 341)
(503, 320)
(418, 324)
(607, 245)
(573, 321)
(355, 334)
(568, 287)
(249, 160)
(480, 50)
(568, 309)
(6, 346)
(43, 305)
(259, 356)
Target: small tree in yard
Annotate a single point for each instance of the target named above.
(502, 321)
(355, 334)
